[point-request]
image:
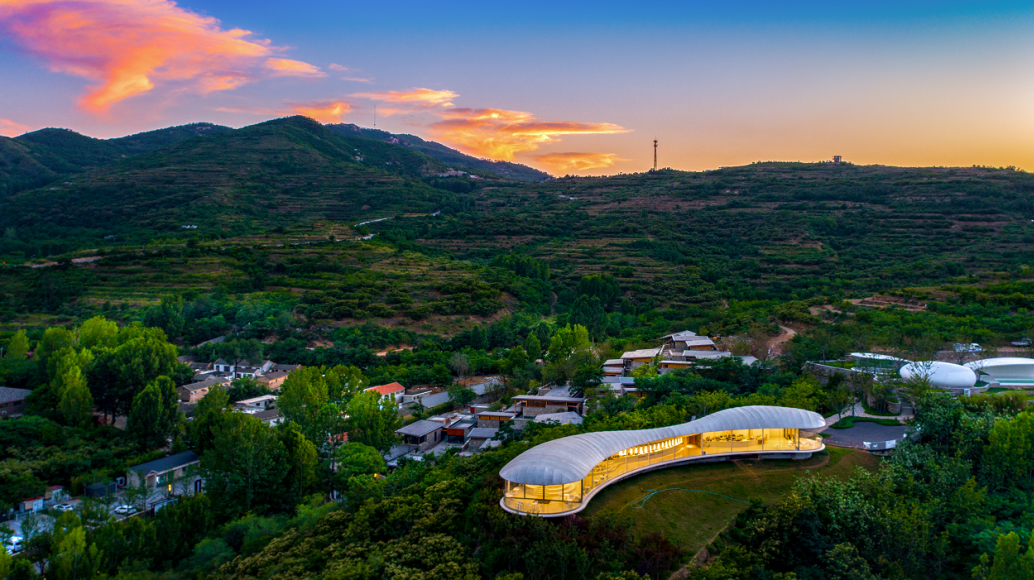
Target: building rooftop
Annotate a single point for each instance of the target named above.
(572, 458)
(549, 398)
(9, 394)
(642, 353)
(430, 401)
(166, 463)
(680, 336)
(208, 382)
(388, 389)
(420, 428)
(482, 433)
(255, 400)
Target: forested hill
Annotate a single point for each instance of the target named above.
(454, 158)
(47, 155)
(43, 156)
(274, 174)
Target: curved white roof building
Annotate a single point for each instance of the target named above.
(559, 477)
(1006, 370)
(941, 374)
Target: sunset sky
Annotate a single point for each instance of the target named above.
(568, 87)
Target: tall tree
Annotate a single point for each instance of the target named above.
(373, 420)
(142, 355)
(98, 332)
(54, 339)
(209, 416)
(305, 400)
(353, 460)
(533, 347)
(244, 471)
(301, 463)
(315, 398)
(19, 345)
(76, 401)
(155, 414)
(73, 558)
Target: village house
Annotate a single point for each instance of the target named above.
(390, 391)
(423, 434)
(166, 472)
(12, 401)
(273, 380)
(530, 406)
(194, 392)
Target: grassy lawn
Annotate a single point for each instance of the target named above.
(692, 519)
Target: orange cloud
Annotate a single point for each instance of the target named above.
(127, 46)
(413, 96)
(323, 111)
(9, 128)
(500, 134)
(294, 68)
(564, 162)
(337, 67)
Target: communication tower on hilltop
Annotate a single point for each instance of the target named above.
(655, 155)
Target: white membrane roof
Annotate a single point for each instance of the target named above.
(570, 459)
(999, 362)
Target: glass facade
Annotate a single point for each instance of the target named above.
(555, 499)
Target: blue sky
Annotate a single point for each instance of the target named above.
(905, 83)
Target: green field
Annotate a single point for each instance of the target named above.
(692, 519)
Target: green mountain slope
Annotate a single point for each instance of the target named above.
(449, 156)
(58, 153)
(277, 173)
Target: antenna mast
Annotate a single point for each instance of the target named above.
(375, 119)
(655, 155)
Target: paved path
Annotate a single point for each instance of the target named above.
(864, 433)
(859, 411)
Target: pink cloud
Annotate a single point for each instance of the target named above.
(565, 162)
(413, 96)
(9, 128)
(501, 134)
(322, 111)
(127, 47)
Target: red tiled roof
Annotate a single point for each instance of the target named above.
(388, 389)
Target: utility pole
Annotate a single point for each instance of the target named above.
(655, 155)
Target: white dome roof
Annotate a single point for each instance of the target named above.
(941, 374)
(572, 458)
(1001, 361)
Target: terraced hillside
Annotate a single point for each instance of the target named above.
(760, 232)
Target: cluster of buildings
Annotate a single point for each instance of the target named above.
(677, 351)
(222, 372)
(476, 427)
(962, 379)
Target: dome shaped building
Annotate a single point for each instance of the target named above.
(944, 375)
(1007, 371)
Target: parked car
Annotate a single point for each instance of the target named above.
(13, 545)
(124, 510)
(971, 347)
(64, 507)
(1022, 342)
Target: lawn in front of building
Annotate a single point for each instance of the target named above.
(691, 518)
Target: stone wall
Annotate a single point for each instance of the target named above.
(536, 411)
